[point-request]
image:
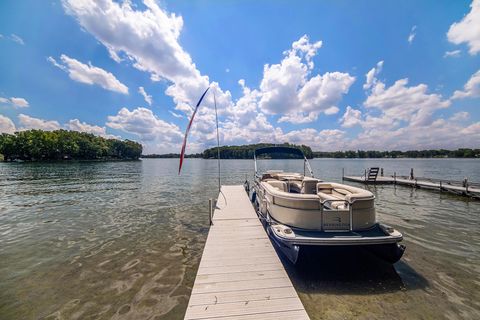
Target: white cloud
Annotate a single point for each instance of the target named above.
(158, 135)
(325, 140)
(16, 102)
(28, 122)
(6, 125)
(400, 102)
(17, 39)
(227, 70)
(147, 97)
(351, 117)
(176, 115)
(255, 130)
(371, 76)
(288, 89)
(460, 116)
(468, 29)
(453, 53)
(77, 125)
(436, 134)
(89, 74)
(19, 102)
(412, 34)
(471, 89)
(403, 117)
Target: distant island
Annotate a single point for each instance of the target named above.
(246, 152)
(39, 145)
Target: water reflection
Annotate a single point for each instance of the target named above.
(341, 270)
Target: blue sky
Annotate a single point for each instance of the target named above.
(335, 75)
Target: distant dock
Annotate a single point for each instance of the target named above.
(240, 275)
(464, 188)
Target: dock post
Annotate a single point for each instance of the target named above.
(343, 173)
(411, 174)
(365, 174)
(394, 178)
(381, 172)
(441, 186)
(210, 210)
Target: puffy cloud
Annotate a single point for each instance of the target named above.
(412, 34)
(471, 89)
(77, 125)
(351, 117)
(453, 53)
(401, 102)
(147, 97)
(28, 122)
(437, 134)
(254, 130)
(460, 116)
(371, 76)
(158, 135)
(89, 74)
(468, 29)
(6, 125)
(288, 89)
(332, 110)
(16, 102)
(17, 39)
(325, 140)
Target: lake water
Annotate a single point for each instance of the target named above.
(123, 240)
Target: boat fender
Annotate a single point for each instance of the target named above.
(254, 196)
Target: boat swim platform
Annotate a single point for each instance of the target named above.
(425, 183)
(240, 274)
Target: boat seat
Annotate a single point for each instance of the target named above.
(309, 185)
(279, 185)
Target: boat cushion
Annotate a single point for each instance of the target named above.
(279, 185)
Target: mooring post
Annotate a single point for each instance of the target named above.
(381, 172)
(210, 210)
(441, 186)
(343, 173)
(365, 174)
(395, 178)
(465, 184)
(411, 174)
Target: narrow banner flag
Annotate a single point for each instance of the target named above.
(182, 154)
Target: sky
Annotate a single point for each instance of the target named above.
(334, 75)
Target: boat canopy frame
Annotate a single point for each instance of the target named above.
(283, 150)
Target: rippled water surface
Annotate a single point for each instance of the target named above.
(123, 240)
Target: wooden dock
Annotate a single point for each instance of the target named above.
(240, 275)
(433, 184)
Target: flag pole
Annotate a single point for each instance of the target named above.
(218, 141)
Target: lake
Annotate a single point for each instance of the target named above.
(123, 240)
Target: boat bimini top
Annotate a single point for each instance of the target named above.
(286, 151)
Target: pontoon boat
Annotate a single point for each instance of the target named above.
(298, 211)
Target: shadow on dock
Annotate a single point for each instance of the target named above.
(340, 270)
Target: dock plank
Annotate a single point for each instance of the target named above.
(240, 275)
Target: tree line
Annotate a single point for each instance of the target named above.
(246, 152)
(440, 153)
(37, 145)
(235, 152)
